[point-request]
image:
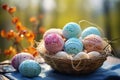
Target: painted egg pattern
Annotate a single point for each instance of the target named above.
(93, 43)
(29, 68)
(20, 57)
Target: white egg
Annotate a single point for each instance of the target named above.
(93, 54)
(81, 55)
(62, 55)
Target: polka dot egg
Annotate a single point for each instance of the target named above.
(29, 68)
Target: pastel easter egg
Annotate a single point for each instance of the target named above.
(53, 30)
(73, 46)
(53, 42)
(19, 58)
(74, 40)
(63, 55)
(93, 54)
(90, 30)
(71, 30)
(30, 68)
(93, 43)
(81, 55)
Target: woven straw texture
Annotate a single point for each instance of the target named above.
(69, 66)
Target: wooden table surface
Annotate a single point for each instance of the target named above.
(112, 60)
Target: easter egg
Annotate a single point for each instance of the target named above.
(29, 68)
(71, 30)
(74, 40)
(90, 30)
(93, 54)
(19, 58)
(53, 30)
(73, 46)
(81, 55)
(93, 43)
(53, 42)
(62, 55)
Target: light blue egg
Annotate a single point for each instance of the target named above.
(29, 68)
(73, 46)
(74, 40)
(90, 30)
(71, 30)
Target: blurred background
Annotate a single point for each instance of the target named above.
(56, 13)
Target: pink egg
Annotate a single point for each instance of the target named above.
(93, 43)
(53, 30)
(53, 42)
(19, 58)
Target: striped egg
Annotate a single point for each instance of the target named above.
(93, 43)
(20, 57)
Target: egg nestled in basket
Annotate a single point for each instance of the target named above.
(93, 54)
(73, 46)
(71, 29)
(66, 52)
(53, 42)
(53, 30)
(90, 30)
(93, 43)
(63, 55)
(81, 55)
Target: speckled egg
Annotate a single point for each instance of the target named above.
(29, 68)
(93, 43)
(20, 57)
(53, 30)
(90, 30)
(93, 54)
(53, 42)
(74, 40)
(71, 30)
(73, 46)
(81, 55)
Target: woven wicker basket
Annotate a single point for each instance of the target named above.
(83, 66)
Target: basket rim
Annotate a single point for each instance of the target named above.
(54, 57)
(103, 54)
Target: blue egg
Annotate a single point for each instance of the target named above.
(73, 46)
(71, 30)
(29, 68)
(73, 40)
(90, 30)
